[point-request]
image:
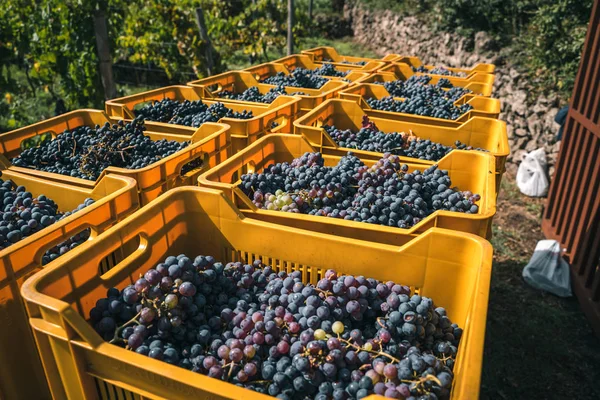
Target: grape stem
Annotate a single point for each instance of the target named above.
(421, 381)
(377, 353)
(116, 337)
(231, 364)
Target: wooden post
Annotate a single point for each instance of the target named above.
(204, 35)
(106, 72)
(290, 34)
(310, 6)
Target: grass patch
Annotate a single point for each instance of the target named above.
(537, 345)
(344, 46)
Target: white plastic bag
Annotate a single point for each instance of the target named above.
(531, 175)
(547, 270)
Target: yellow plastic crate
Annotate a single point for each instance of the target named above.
(305, 61)
(359, 93)
(319, 54)
(281, 112)
(21, 373)
(239, 81)
(480, 85)
(329, 54)
(211, 142)
(479, 68)
(452, 268)
(468, 170)
(485, 133)
(486, 81)
(266, 70)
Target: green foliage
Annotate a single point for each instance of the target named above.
(163, 34)
(405, 7)
(258, 26)
(552, 45)
(500, 17)
(49, 39)
(545, 36)
(52, 45)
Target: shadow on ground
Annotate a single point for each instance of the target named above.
(537, 346)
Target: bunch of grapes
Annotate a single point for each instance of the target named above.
(422, 98)
(370, 138)
(189, 113)
(419, 105)
(253, 94)
(329, 70)
(23, 215)
(385, 194)
(85, 152)
(418, 85)
(345, 338)
(438, 71)
(299, 77)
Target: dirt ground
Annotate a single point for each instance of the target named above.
(538, 346)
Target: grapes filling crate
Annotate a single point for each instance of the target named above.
(242, 87)
(80, 363)
(404, 75)
(305, 74)
(181, 154)
(185, 107)
(418, 66)
(469, 171)
(478, 82)
(345, 119)
(449, 110)
(51, 218)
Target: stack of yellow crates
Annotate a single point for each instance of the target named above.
(191, 202)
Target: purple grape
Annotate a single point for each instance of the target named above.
(152, 276)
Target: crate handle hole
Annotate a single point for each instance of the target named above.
(197, 162)
(250, 167)
(84, 232)
(216, 87)
(124, 257)
(278, 122)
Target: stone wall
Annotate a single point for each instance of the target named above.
(530, 120)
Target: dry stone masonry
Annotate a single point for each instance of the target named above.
(529, 118)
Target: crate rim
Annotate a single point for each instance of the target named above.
(203, 181)
(361, 83)
(224, 128)
(300, 123)
(268, 107)
(196, 84)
